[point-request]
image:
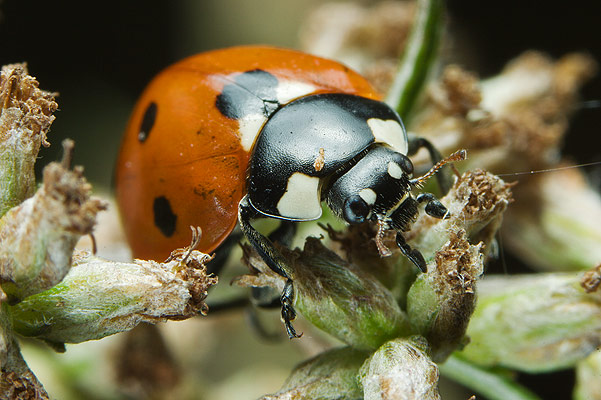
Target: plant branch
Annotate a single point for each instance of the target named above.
(492, 385)
(418, 57)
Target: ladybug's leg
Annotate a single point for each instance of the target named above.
(273, 259)
(444, 178)
(266, 297)
(434, 207)
(412, 254)
(403, 217)
(264, 246)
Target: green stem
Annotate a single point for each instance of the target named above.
(489, 384)
(420, 53)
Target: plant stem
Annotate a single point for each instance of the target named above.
(489, 384)
(420, 53)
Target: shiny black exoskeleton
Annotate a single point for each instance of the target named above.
(348, 151)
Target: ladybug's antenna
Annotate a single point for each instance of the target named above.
(540, 171)
(459, 155)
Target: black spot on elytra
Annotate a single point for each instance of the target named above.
(253, 92)
(164, 218)
(147, 121)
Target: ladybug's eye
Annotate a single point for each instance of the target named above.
(406, 165)
(356, 210)
(403, 162)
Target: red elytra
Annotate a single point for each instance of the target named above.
(189, 169)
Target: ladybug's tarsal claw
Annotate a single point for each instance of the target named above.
(412, 254)
(288, 312)
(288, 315)
(291, 332)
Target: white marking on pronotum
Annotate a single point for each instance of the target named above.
(290, 90)
(395, 170)
(301, 199)
(368, 195)
(249, 126)
(390, 132)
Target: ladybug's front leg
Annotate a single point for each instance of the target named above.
(433, 208)
(273, 259)
(413, 255)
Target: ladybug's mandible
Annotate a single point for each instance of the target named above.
(254, 132)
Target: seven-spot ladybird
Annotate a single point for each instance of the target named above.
(254, 132)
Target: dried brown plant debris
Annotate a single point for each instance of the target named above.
(458, 91)
(37, 237)
(23, 105)
(591, 279)
(25, 118)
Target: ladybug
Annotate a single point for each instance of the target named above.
(232, 135)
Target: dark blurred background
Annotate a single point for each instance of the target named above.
(100, 55)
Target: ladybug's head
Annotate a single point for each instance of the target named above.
(374, 188)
